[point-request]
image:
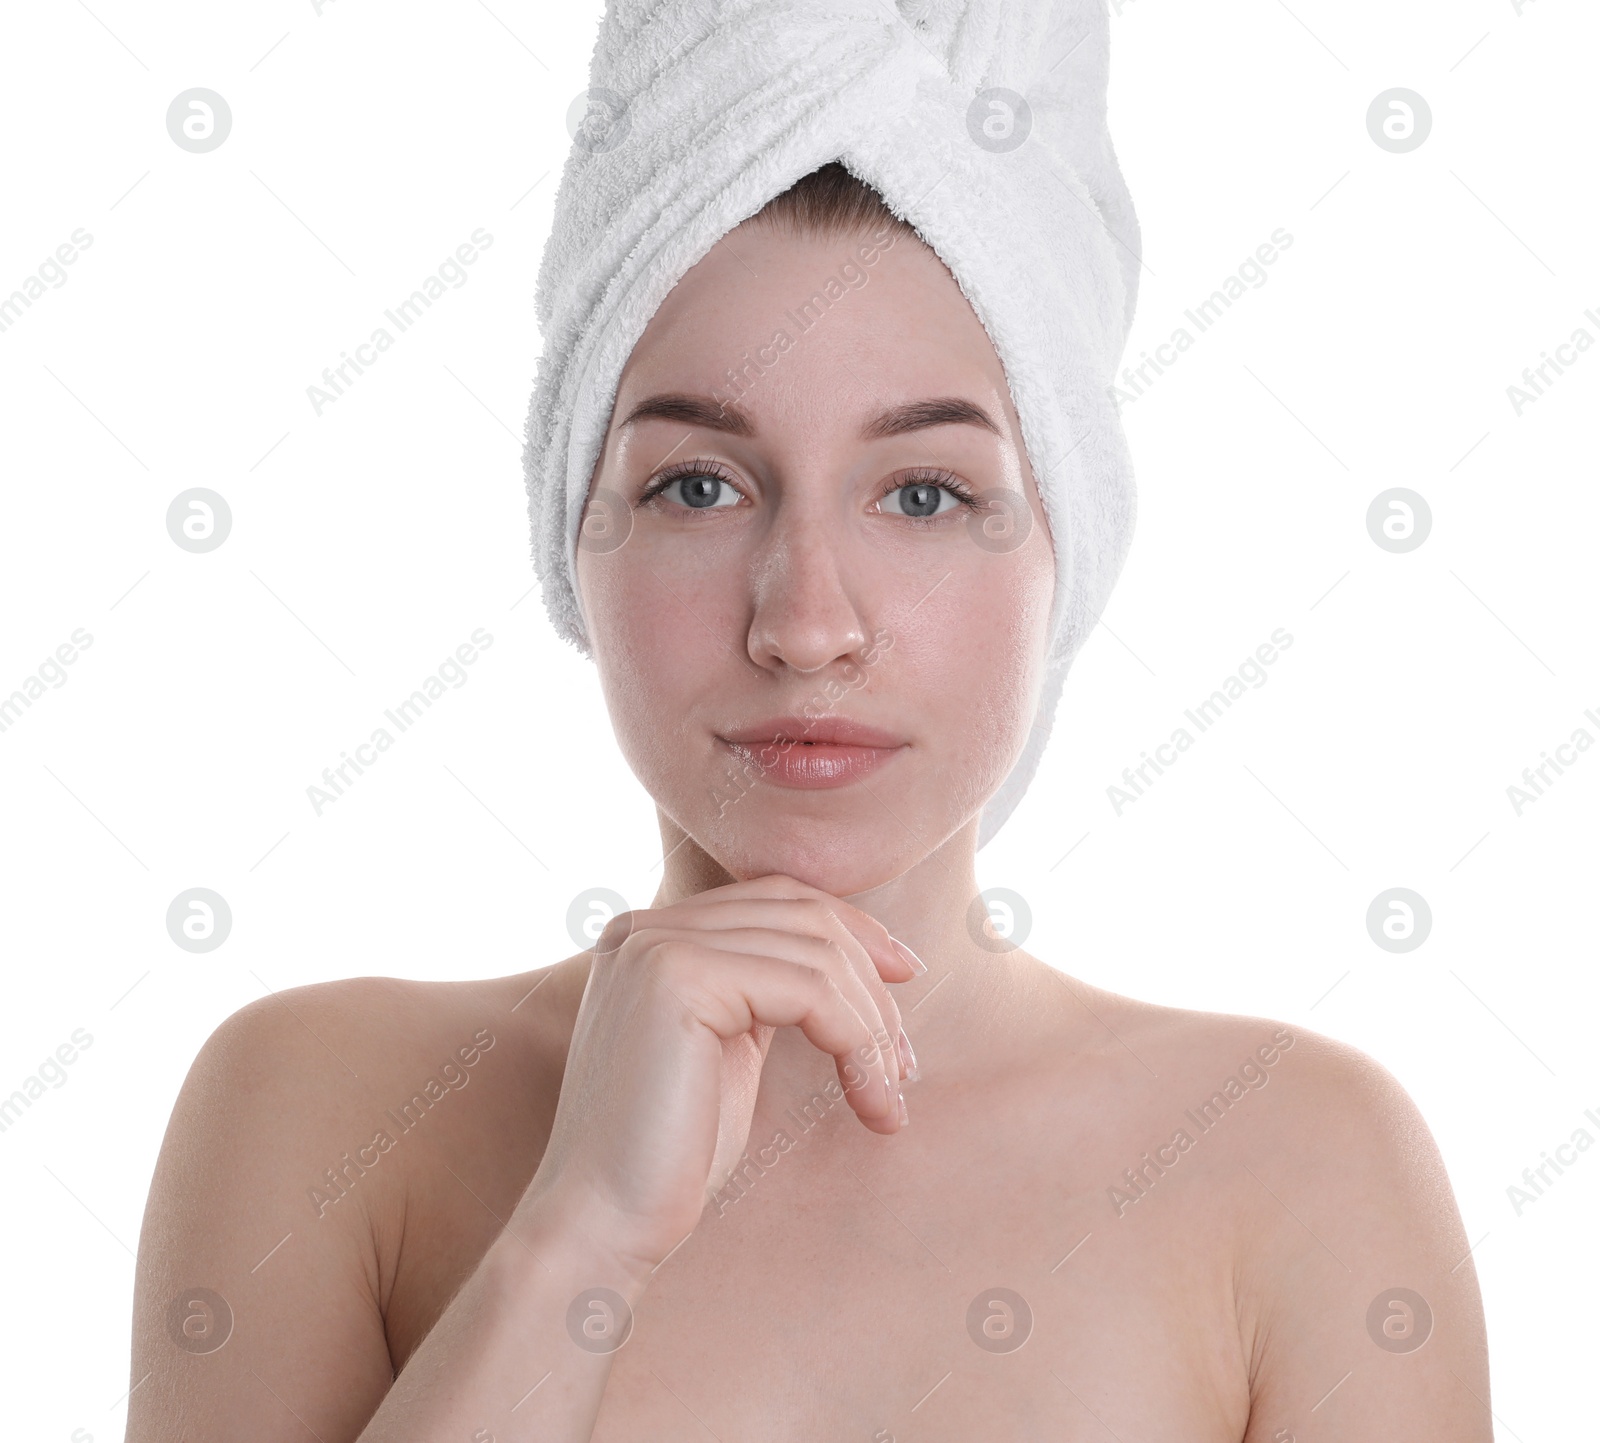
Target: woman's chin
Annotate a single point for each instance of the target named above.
(841, 860)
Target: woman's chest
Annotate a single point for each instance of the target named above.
(845, 1289)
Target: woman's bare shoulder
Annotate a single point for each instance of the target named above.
(1345, 1239)
(354, 1034)
(318, 1077)
(332, 1166)
(1318, 1127)
(1277, 1098)
(1193, 1044)
(286, 1092)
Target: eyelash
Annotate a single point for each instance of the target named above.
(919, 476)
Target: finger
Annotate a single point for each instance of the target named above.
(855, 977)
(891, 963)
(894, 960)
(813, 916)
(821, 914)
(731, 992)
(807, 909)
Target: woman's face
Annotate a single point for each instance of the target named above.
(782, 526)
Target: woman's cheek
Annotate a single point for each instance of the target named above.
(657, 675)
(998, 668)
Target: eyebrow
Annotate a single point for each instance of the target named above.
(894, 421)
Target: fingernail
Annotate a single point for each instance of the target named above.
(916, 963)
(904, 1118)
(889, 1089)
(908, 1058)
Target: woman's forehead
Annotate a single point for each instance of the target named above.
(829, 313)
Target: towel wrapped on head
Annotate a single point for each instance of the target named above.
(981, 123)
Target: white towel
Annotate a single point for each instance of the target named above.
(701, 111)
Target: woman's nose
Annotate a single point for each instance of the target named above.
(805, 602)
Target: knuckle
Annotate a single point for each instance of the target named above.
(814, 914)
(820, 983)
(666, 954)
(834, 951)
(618, 929)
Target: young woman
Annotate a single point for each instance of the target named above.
(749, 1168)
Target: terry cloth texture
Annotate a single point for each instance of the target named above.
(982, 123)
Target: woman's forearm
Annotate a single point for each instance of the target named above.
(523, 1352)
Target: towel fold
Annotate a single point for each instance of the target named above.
(982, 123)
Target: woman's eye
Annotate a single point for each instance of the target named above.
(920, 499)
(701, 491)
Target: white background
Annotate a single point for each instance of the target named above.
(367, 543)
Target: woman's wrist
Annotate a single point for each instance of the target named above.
(562, 1232)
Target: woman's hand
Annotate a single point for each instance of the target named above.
(672, 1033)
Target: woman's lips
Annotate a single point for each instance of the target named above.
(812, 752)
